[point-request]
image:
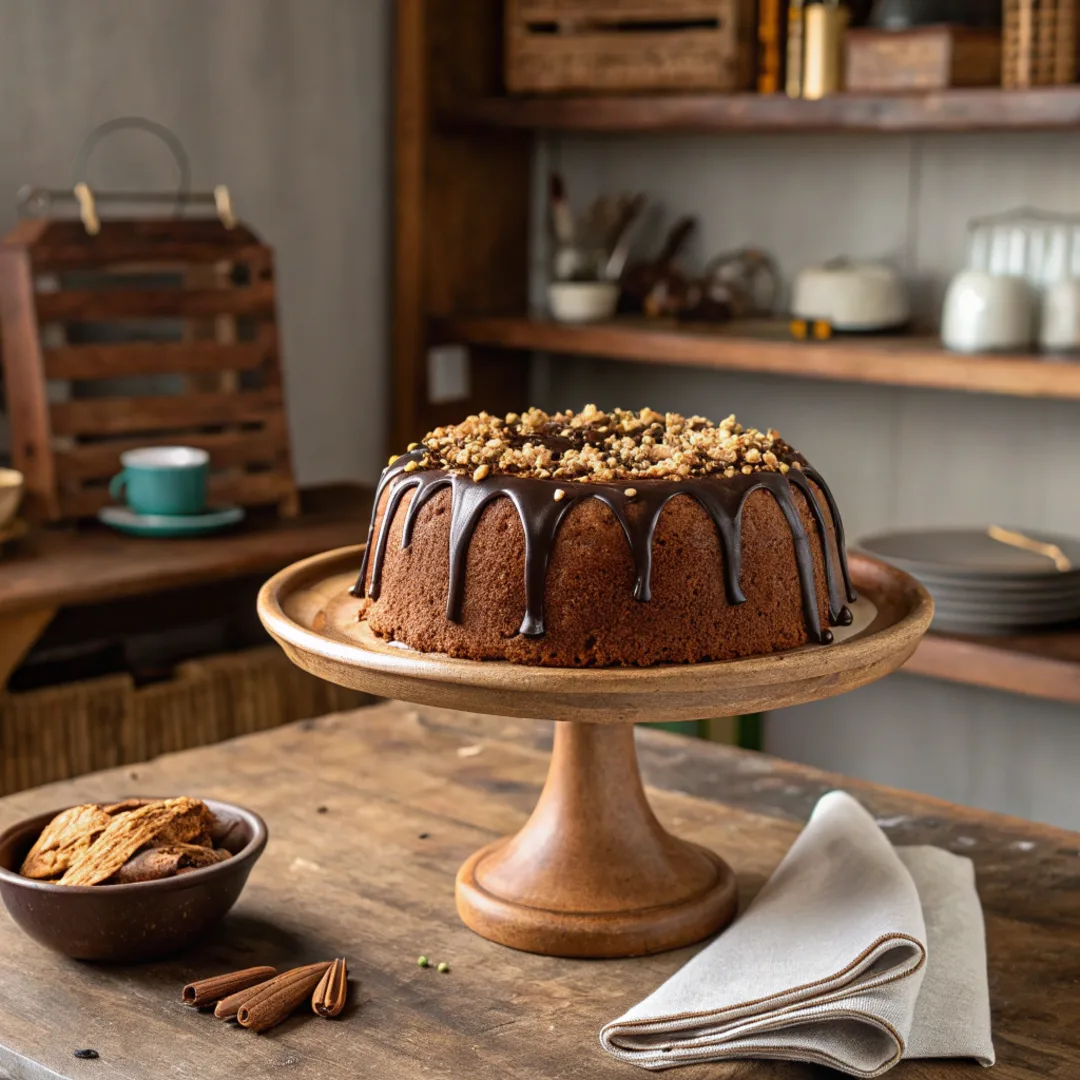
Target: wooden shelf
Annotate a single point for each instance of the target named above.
(990, 109)
(1044, 665)
(90, 564)
(763, 347)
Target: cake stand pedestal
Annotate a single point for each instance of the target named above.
(592, 873)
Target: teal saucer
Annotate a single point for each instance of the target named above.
(125, 520)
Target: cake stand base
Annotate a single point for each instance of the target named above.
(593, 873)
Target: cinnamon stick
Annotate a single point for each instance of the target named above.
(277, 999)
(228, 1007)
(207, 991)
(329, 996)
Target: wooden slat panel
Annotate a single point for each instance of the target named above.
(87, 304)
(98, 461)
(65, 245)
(60, 232)
(244, 489)
(251, 489)
(152, 358)
(164, 253)
(117, 416)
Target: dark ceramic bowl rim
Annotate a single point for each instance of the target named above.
(248, 853)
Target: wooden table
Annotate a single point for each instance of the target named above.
(57, 568)
(408, 793)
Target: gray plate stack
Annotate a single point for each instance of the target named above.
(983, 586)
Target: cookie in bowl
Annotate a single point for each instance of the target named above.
(128, 881)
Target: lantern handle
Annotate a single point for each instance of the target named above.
(136, 123)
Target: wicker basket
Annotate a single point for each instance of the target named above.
(64, 731)
(1041, 42)
(555, 46)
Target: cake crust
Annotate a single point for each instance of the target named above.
(592, 618)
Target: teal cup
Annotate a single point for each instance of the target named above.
(168, 480)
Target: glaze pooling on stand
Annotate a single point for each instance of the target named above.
(540, 513)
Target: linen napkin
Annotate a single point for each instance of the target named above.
(854, 955)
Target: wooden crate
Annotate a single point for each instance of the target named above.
(65, 731)
(152, 332)
(555, 46)
(923, 58)
(1041, 46)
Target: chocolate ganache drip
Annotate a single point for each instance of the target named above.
(540, 511)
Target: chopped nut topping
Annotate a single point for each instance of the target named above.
(559, 495)
(593, 446)
(630, 492)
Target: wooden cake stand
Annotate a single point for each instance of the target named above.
(592, 873)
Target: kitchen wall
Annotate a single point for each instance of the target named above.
(288, 104)
(894, 457)
(285, 102)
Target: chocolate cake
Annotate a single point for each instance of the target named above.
(593, 538)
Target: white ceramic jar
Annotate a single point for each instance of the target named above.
(988, 312)
(851, 296)
(1059, 327)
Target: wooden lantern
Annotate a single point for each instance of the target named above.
(144, 332)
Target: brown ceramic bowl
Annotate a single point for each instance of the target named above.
(129, 923)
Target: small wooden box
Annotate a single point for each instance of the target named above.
(608, 46)
(923, 58)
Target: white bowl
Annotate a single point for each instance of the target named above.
(988, 312)
(582, 301)
(11, 490)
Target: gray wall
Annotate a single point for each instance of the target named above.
(287, 103)
(894, 457)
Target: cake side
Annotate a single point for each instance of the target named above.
(591, 616)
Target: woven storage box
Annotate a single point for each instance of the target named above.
(609, 46)
(65, 731)
(1041, 42)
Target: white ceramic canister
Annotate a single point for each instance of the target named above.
(986, 312)
(1059, 327)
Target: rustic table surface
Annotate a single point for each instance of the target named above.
(371, 813)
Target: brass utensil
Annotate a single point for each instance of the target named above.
(1037, 547)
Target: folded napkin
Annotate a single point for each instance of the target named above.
(854, 955)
